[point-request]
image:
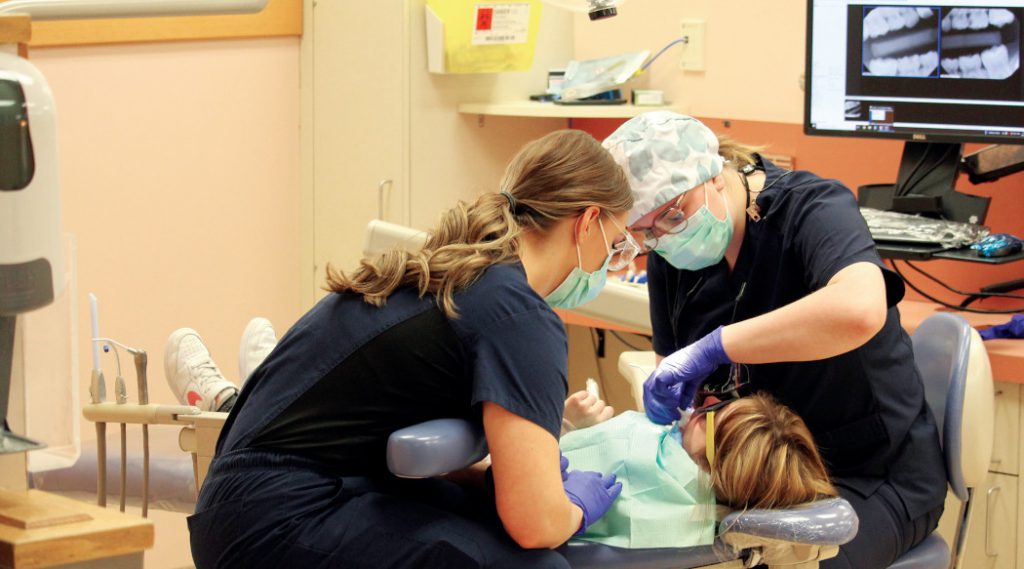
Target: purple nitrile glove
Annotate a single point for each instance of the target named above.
(592, 492)
(675, 382)
(565, 466)
(1012, 329)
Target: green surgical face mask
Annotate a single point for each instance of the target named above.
(702, 243)
(580, 287)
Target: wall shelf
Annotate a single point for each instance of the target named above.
(536, 109)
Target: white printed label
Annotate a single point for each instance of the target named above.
(501, 23)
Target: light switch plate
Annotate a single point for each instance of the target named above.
(693, 49)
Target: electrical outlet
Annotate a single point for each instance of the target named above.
(693, 48)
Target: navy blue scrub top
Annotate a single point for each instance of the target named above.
(348, 374)
(865, 408)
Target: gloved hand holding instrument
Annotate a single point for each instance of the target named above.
(675, 382)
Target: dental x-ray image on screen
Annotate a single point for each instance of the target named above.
(980, 43)
(900, 41)
(945, 71)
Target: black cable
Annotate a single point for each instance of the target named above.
(911, 184)
(948, 305)
(908, 183)
(628, 345)
(957, 291)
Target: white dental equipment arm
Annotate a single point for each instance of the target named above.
(87, 9)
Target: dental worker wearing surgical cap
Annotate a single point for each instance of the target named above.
(763, 279)
(463, 327)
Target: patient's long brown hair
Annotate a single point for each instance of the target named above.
(765, 457)
(551, 178)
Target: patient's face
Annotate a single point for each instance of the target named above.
(694, 440)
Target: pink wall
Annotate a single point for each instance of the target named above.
(179, 166)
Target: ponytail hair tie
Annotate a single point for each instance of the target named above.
(512, 203)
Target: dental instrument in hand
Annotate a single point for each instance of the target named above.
(684, 414)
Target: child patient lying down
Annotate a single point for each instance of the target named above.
(745, 453)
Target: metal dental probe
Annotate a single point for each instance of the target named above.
(141, 360)
(97, 393)
(121, 397)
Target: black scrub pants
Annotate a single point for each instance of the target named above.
(261, 509)
(886, 530)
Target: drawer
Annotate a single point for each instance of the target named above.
(1006, 438)
(992, 535)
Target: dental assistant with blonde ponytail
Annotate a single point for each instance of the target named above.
(763, 279)
(463, 327)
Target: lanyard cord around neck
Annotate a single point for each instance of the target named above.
(752, 209)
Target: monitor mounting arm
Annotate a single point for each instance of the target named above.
(994, 162)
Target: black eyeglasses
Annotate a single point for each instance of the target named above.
(670, 221)
(712, 407)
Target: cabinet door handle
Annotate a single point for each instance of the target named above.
(992, 492)
(380, 196)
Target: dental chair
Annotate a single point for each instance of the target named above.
(794, 538)
(958, 386)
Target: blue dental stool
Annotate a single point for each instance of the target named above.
(958, 386)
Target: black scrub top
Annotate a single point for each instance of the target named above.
(348, 374)
(865, 408)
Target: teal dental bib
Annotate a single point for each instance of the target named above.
(663, 503)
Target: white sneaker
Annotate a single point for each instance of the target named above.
(193, 376)
(258, 340)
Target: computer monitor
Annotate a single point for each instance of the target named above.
(934, 74)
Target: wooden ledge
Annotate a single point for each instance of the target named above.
(15, 29)
(68, 532)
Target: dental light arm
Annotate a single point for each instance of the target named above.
(595, 9)
(87, 9)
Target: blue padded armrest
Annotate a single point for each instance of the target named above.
(826, 522)
(588, 555)
(829, 522)
(435, 447)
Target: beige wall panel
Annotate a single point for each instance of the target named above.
(358, 124)
(754, 54)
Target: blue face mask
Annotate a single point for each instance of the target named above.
(702, 243)
(580, 287)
